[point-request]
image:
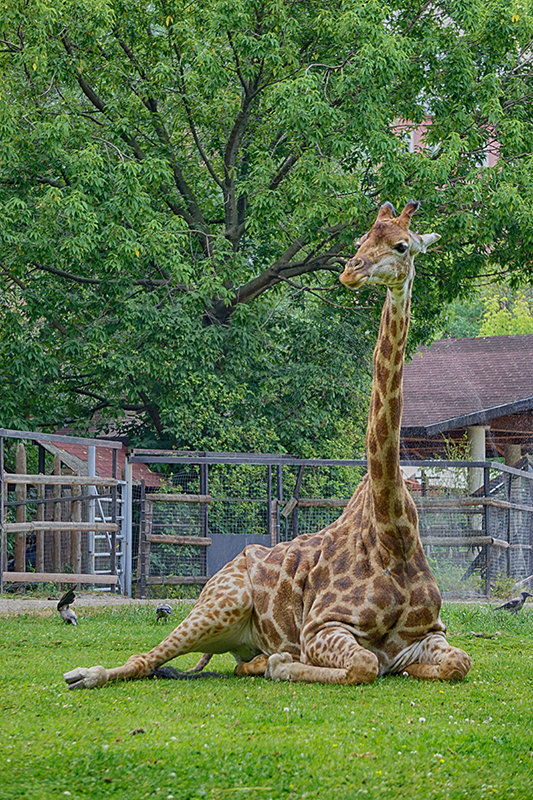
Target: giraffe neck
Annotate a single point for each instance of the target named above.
(384, 421)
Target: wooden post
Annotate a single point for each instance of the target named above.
(21, 494)
(76, 535)
(39, 535)
(56, 545)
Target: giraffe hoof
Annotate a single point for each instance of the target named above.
(86, 677)
(276, 662)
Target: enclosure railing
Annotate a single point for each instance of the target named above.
(61, 528)
(473, 539)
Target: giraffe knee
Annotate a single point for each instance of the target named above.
(364, 669)
(454, 665)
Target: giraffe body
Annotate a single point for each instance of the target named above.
(358, 598)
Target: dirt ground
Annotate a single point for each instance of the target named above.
(44, 607)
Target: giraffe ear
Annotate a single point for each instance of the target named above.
(426, 240)
(386, 212)
(405, 217)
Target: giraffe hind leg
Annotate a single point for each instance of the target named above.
(217, 622)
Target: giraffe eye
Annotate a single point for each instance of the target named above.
(401, 247)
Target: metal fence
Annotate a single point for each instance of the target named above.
(204, 508)
(476, 541)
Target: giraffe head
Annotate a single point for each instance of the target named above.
(386, 253)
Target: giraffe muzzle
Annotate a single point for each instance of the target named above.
(356, 273)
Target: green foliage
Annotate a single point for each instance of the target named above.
(494, 310)
(507, 312)
(232, 737)
(178, 181)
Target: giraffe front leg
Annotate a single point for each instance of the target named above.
(216, 623)
(439, 661)
(332, 656)
(137, 666)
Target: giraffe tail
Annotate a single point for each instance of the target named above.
(169, 673)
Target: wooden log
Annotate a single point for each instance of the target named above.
(179, 498)
(326, 502)
(65, 480)
(464, 541)
(160, 538)
(20, 490)
(59, 577)
(13, 527)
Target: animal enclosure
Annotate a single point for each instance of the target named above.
(217, 503)
(58, 525)
(148, 539)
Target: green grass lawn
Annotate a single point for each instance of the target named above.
(233, 738)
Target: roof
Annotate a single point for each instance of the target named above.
(75, 457)
(455, 383)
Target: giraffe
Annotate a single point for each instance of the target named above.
(357, 599)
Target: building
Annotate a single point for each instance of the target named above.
(478, 387)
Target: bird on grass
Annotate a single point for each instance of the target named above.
(66, 613)
(163, 611)
(515, 604)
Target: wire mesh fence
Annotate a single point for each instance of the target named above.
(476, 541)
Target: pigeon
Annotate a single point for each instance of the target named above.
(66, 613)
(515, 604)
(163, 611)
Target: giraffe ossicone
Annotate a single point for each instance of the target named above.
(357, 599)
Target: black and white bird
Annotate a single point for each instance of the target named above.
(515, 604)
(66, 613)
(163, 611)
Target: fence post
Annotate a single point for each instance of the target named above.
(142, 541)
(91, 471)
(20, 494)
(56, 535)
(487, 521)
(127, 532)
(41, 492)
(269, 504)
(204, 513)
(296, 495)
(280, 498)
(113, 554)
(76, 535)
(3, 543)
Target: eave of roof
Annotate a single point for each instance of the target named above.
(466, 420)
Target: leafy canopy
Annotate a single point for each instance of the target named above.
(178, 181)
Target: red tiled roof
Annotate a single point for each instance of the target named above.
(104, 462)
(457, 377)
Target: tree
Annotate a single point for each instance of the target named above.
(179, 181)
(493, 310)
(507, 312)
